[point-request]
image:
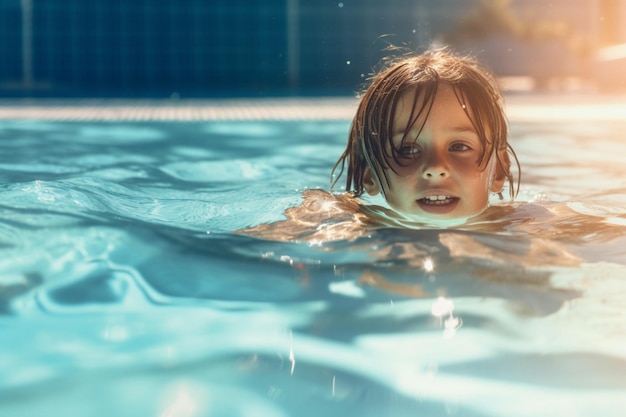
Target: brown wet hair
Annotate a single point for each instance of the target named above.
(370, 140)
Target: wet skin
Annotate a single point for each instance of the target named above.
(438, 176)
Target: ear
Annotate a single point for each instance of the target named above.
(497, 184)
(370, 184)
(503, 165)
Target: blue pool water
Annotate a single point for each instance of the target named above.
(124, 290)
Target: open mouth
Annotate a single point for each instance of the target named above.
(437, 200)
(438, 204)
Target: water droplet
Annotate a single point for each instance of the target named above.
(362, 75)
(414, 31)
(540, 197)
(429, 265)
(340, 5)
(348, 62)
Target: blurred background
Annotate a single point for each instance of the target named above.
(253, 48)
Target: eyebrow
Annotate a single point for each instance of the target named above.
(455, 129)
(464, 129)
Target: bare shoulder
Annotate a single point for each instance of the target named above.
(322, 216)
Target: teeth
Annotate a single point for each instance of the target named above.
(437, 199)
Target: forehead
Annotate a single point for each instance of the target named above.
(415, 108)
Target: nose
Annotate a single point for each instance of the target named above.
(435, 173)
(435, 168)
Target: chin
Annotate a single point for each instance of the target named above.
(447, 219)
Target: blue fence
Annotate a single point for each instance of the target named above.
(193, 48)
(212, 48)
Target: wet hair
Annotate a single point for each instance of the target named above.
(370, 140)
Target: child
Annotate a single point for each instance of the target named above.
(430, 136)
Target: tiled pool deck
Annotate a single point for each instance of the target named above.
(523, 107)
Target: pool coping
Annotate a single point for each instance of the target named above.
(520, 108)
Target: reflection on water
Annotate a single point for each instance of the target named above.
(124, 291)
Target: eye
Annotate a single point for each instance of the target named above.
(459, 147)
(409, 151)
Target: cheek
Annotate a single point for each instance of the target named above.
(398, 187)
(403, 169)
(482, 183)
(475, 178)
(470, 169)
(485, 173)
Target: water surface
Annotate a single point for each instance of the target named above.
(124, 291)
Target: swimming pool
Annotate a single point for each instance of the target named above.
(125, 292)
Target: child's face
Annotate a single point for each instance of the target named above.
(438, 177)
